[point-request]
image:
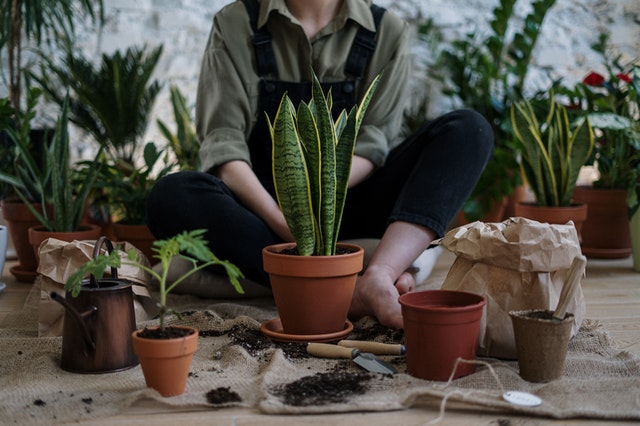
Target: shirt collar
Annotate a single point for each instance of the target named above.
(356, 10)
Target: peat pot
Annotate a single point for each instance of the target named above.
(541, 343)
(312, 293)
(96, 335)
(441, 326)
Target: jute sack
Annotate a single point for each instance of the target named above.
(59, 259)
(517, 264)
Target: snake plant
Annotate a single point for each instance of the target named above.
(311, 163)
(552, 152)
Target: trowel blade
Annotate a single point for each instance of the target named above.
(372, 363)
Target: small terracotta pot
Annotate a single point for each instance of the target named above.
(138, 235)
(37, 234)
(554, 215)
(166, 362)
(441, 326)
(541, 343)
(312, 293)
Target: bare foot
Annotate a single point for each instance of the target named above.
(376, 295)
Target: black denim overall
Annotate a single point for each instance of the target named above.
(424, 180)
(272, 90)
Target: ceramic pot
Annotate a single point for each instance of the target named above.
(19, 219)
(441, 326)
(312, 293)
(37, 234)
(605, 232)
(541, 344)
(166, 362)
(634, 224)
(554, 215)
(138, 235)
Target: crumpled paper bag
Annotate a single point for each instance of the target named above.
(518, 264)
(59, 259)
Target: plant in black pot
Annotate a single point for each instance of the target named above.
(312, 156)
(178, 343)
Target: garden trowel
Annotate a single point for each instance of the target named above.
(365, 360)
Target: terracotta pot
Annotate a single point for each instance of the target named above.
(634, 224)
(19, 219)
(554, 215)
(441, 326)
(312, 293)
(37, 234)
(541, 344)
(138, 235)
(605, 233)
(166, 362)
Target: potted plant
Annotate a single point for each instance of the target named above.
(486, 72)
(610, 103)
(164, 351)
(113, 103)
(311, 165)
(552, 155)
(66, 189)
(125, 189)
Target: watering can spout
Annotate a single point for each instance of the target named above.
(79, 317)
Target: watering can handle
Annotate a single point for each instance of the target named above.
(96, 252)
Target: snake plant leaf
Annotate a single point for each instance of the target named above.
(328, 141)
(552, 153)
(291, 178)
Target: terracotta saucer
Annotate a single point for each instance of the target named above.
(23, 275)
(273, 329)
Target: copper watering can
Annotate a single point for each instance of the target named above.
(96, 335)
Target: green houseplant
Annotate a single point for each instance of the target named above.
(486, 72)
(177, 341)
(33, 22)
(552, 155)
(609, 100)
(184, 142)
(111, 101)
(311, 165)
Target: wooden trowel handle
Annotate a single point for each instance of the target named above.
(573, 279)
(325, 350)
(374, 347)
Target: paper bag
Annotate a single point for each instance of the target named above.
(518, 264)
(58, 260)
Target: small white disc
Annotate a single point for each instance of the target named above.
(522, 398)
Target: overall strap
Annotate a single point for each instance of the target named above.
(361, 51)
(261, 39)
(363, 46)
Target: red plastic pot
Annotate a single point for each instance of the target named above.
(441, 326)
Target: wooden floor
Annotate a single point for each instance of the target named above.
(612, 291)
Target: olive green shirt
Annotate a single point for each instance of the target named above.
(227, 104)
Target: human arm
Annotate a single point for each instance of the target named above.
(239, 177)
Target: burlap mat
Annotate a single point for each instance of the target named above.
(236, 365)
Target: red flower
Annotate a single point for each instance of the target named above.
(593, 79)
(624, 77)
